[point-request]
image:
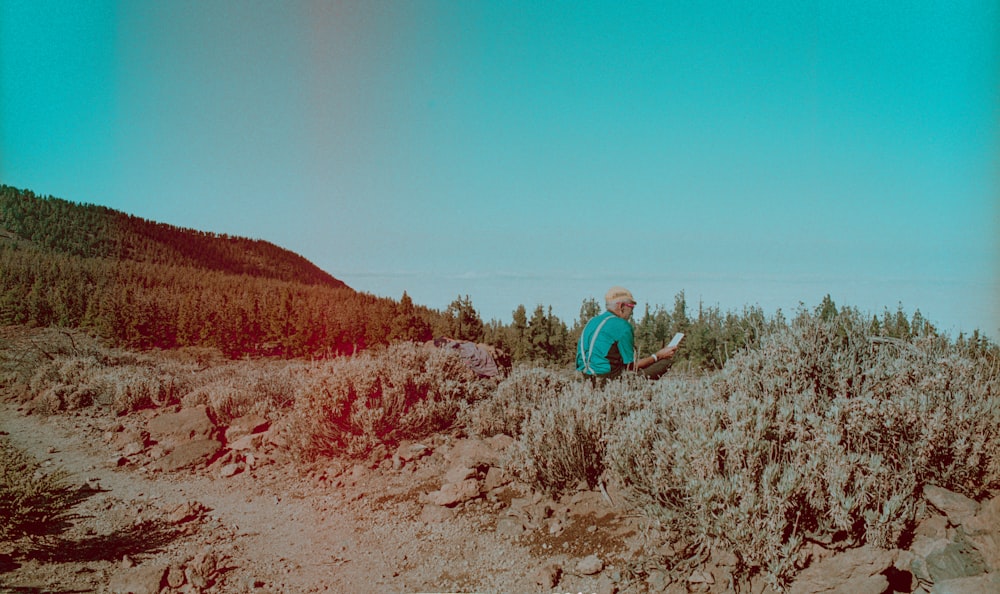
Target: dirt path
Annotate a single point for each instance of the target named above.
(272, 530)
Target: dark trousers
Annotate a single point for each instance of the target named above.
(652, 373)
(656, 370)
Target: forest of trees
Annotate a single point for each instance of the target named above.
(149, 285)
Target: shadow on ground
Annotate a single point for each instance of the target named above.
(134, 541)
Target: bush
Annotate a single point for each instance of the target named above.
(348, 407)
(32, 504)
(515, 398)
(825, 432)
(236, 389)
(561, 442)
(128, 388)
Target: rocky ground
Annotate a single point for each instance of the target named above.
(162, 508)
(169, 502)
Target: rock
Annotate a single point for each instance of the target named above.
(435, 514)
(458, 474)
(983, 532)
(495, 478)
(248, 442)
(510, 526)
(455, 493)
(188, 454)
(956, 506)
(246, 425)
(968, 585)
(189, 424)
(144, 579)
(934, 527)
(547, 576)
(133, 448)
(701, 577)
(474, 453)
(175, 576)
(988, 547)
(921, 547)
(606, 585)
(408, 451)
(955, 560)
(230, 470)
(986, 520)
(590, 565)
(185, 512)
(657, 581)
(856, 571)
(500, 442)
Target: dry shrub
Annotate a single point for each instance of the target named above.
(237, 389)
(130, 388)
(60, 371)
(561, 442)
(348, 407)
(823, 433)
(33, 504)
(515, 398)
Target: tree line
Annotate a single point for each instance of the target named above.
(148, 285)
(712, 336)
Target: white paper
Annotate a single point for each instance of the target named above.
(676, 340)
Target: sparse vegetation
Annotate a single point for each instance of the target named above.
(767, 435)
(33, 504)
(824, 429)
(348, 407)
(515, 399)
(824, 432)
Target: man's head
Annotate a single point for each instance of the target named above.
(619, 301)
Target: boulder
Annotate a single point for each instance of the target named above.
(189, 454)
(956, 506)
(474, 453)
(253, 441)
(144, 579)
(454, 493)
(983, 532)
(856, 571)
(955, 560)
(968, 585)
(458, 474)
(189, 424)
(246, 425)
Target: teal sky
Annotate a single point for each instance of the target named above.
(538, 152)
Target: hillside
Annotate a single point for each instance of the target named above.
(90, 231)
(143, 284)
